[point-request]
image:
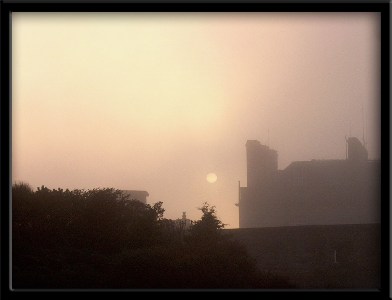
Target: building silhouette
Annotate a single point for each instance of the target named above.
(184, 223)
(137, 195)
(316, 192)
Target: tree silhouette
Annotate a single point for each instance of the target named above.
(100, 238)
(209, 226)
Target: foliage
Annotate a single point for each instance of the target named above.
(208, 227)
(102, 239)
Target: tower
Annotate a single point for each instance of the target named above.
(262, 164)
(355, 150)
(262, 170)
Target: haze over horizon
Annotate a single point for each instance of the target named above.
(163, 102)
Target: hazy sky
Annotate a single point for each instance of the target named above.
(156, 101)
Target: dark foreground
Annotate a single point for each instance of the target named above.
(100, 239)
(331, 256)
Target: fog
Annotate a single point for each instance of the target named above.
(156, 101)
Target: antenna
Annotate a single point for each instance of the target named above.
(268, 138)
(346, 146)
(239, 193)
(349, 132)
(363, 128)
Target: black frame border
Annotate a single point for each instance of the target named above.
(9, 6)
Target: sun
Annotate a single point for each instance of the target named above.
(211, 177)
